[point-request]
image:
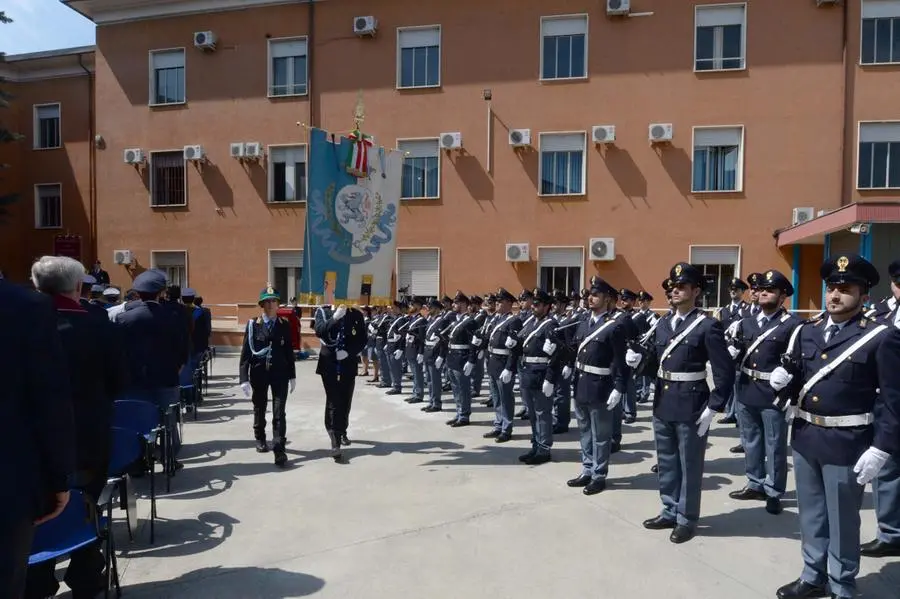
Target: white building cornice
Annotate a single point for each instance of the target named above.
(52, 64)
(109, 12)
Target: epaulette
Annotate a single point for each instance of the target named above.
(816, 321)
(863, 322)
(259, 320)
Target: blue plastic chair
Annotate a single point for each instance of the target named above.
(127, 449)
(74, 528)
(143, 418)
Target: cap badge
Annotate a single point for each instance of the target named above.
(842, 264)
(270, 290)
(678, 270)
(769, 275)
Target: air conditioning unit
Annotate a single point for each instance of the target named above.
(205, 40)
(517, 252)
(365, 25)
(801, 215)
(253, 149)
(602, 249)
(660, 132)
(519, 137)
(122, 257)
(194, 153)
(133, 156)
(618, 7)
(603, 134)
(451, 141)
(237, 149)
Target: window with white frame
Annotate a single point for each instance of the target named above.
(287, 179)
(48, 206)
(719, 37)
(879, 156)
(421, 168)
(419, 57)
(562, 163)
(717, 159)
(287, 69)
(168, 185)
(564, 47)
(173, 263)
(46, 127)
(560, 268)
(167, 84)
(718, 263)
(880, 39)
(286, 272)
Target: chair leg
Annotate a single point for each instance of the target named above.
(123, 504)
(152, 500)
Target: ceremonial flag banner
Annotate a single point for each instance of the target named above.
(351, 220)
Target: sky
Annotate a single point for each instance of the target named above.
(42, 25)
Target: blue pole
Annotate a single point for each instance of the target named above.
(865, 245)
(827, 254)
(795, 277)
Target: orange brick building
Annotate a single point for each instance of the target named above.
(544, 144)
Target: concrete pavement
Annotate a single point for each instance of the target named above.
(422, 510)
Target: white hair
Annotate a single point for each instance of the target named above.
(57, 274)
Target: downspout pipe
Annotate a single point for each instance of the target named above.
(92, 163)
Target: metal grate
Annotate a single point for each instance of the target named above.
(167, 185)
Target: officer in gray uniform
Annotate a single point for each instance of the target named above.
(627, 298)
(537, 349)
(382, 324)
(684, 406)
(599, 375)
(435, 354)
(461, 358)
(831, 377)
(562, 396)
(481, 319)
(484, 334)
(525, 314)
(414, 348)
(757, 348)
(393, 346)
(502, 365)
(644, 318)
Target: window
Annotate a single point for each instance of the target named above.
(287, 269)
(718, 263)
(167, 77)
(879, 156)
(562, 164)
(419, 57)
(717, 159)
(173, 263)
(880, 32)
(560, 268)
(419, 271)
(287, 179)
(46, 127)
(47, 206)
(421, 169)
(287, 71)
(719, 37)
(564, 47)
(168, 186)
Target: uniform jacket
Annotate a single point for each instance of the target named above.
(567, 325)
(435, 347)
(394, 339)
(414, 337)
(732, 312)
(606, 349)
(643, 320)
(183, 314)
(530, 344)
(765, 357)
(461, 334)
(887, 421)
(851, 388)
(882, 309)
(278, 365)
(684, 401)
(381, 326)
(500, 357)
(348, 334)
(153, 337)
(202, 328)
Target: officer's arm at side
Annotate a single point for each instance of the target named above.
(244, 367)
(887, 427)
(619, 368)
(722, 366)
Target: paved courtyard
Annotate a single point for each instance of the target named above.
(422, 510)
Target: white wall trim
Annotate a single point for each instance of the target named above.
(740, 253)
(104, 12)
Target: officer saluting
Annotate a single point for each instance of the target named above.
(267, 361)
(831, 377)
(684, 406)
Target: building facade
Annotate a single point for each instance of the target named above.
(577, 142)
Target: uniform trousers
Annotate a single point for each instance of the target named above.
(828, 502)
(338, 399)
(418, 376)
(434, 385)
(764, 438)
(617, 423)
(478, 375)
(629, 402)
(462, 394)
(260, 398)
(595, 424)
(562, 404)
(396, 372)
(17, 531)
(731, 406)
(679, 455)
(540, 411)
(384, 362)
(886, 492)
(504, 404)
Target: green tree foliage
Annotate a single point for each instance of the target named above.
(6, 135)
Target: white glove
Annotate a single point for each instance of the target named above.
(468, 368)
(566, 372)
(420, 359)
(398, 354)
(292, 384)
(632, 358)
(341, 355)
(438, 362)
(780, 378)
(548, 388)
(731, 331)
(733, 351)
(704, 421)
(549, 347)
(614, 398)
(510, 342)
(245, 387)
(790, 412)
(476, 341)
(651, 395)
(869, 464)
(340, 312)
(505, 376)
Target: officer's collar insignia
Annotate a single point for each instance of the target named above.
(678, 270)
(842, 264)
(769, 275)
(863, 322)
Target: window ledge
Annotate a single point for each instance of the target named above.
(415, 199)
(562, 195)
(877, 189)
(552, 80)
(164, 206)
(415, 87)
(168, 105)
(733, 70)
(272, 96)
(716, 191)
(48, 148)
(879, 64)
(283, 202)
(54, 227)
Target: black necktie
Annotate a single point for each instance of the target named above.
(830, 332)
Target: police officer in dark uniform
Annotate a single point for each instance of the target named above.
(414, 348)
(627, 298)
(381, 326)
(502, 365)
(684, 406)
(394, 345)
(831, 377)
(728, 315)
(763, 340)
(87, 286)
(538, 349)
(476, 303)
(435, 354)
(526, 315)
(267, 362)
(644, 318)
(567, 323)
(461, 358)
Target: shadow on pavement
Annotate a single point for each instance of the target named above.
(753, 521)
(181, 538)
(230, 583)
(883, 583)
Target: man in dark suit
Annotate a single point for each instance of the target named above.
(37, 432)
(343, 336)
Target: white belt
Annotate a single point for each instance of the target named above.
(459, 347)
(500, 352)
(837, 421)
(681, 377)
(393, 338)
(379, 337)
(536, 360)
(593, 369)
(757, 375)
(430, 343)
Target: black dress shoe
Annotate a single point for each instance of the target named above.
(630, 419)
(879, 548)
(527, 456)
(345, 440)
(654, 468)
(800, 589)
(393, 392)
(581, 480)
(594, 487)
(460, 423)
(737, 449)
(503, 438)
(728, 420)
(451, 422)
(280, 459)
(491, 434)
(748, 494)
(682, 534)
(521, 414)
(615, 447)
(658, 523)
(773, 506)
(538, 459)
(261, 447)
(560, 430)
(431, 409)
